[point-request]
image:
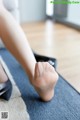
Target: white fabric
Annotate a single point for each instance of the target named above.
(10, 4)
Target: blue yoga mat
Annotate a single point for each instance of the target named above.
(64, 106)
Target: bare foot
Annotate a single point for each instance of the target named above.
(45, 79)
(3, 76)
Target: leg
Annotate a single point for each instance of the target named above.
(16, 42)
(42, 75)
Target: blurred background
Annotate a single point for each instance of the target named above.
(34, 10)
(37, 10)
(54, 30)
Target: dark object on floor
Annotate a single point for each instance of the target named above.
(64, 106)
(5, 90)
(51, 60)
(6, 87)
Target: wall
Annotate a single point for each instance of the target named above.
(60, 10)
(32, 10)
(74, 13)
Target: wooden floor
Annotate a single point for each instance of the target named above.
(58, 41)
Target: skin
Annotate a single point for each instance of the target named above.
(41, 74)
(3, 77)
